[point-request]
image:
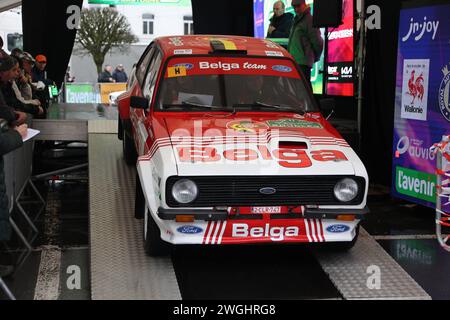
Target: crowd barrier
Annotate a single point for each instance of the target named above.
(91, 92)
(18, 167)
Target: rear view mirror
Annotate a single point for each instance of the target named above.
(327, 107)
(139, 103)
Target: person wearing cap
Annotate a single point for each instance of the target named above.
(305, 42)
(38, 73)
(119, 75)
(24, 81)
(281, 21)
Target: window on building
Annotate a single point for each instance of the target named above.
(148, 21)
(188, 25)
(15, 40)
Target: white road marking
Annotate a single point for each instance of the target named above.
(47, 283)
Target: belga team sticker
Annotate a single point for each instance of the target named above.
(246, 126)
(293, 123)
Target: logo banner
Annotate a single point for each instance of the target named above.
(422, 112)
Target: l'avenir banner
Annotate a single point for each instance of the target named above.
(422, 111)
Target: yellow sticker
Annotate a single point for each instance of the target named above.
(179, 71)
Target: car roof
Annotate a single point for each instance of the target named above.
(202, 45)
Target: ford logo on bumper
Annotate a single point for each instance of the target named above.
(190, 230)
(267, 191)
(338, 228)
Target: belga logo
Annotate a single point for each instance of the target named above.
(420, 28)
(414, 148)
(416, 184)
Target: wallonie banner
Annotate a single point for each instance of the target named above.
(422, 111)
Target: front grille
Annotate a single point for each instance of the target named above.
(242, 191)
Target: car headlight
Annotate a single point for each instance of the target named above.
(346, 190)
(185, 191)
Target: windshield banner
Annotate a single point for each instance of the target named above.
(190, 66)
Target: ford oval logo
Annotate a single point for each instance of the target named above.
(282, 68)
(190, 230)
(267, 191)
(188, 66)
(338, 228)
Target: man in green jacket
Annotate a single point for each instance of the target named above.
(305, 41)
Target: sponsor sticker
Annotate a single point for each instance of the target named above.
(416, 184)
(188, 66)
(338, 228)
(280, 68)
(173, 72)
(293, 123)
(246, 126)
(190, 230)
(415, 89)
(182, 51)
(274, 54)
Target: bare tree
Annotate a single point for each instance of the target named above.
(101, 30)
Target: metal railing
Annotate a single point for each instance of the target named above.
(442, 151)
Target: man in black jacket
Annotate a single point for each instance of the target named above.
(281, 22)
(106, 75)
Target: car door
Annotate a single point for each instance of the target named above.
(148, 91)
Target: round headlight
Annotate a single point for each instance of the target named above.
(184, 191)
(346, 190)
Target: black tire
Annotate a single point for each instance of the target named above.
(153, 244)
(129, 151)
(342, 246)
(139, 202)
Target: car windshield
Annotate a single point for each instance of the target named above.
(253, 90)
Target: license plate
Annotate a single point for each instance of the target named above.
(271, 210)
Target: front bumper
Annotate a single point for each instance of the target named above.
(222, 214)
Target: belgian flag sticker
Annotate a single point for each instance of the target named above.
(179, 71)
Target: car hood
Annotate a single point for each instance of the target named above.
(258, 144)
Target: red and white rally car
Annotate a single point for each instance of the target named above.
(231, 148)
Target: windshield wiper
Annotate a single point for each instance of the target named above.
(272, 106)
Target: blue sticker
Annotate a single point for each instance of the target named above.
(188, 66)
(338, 228)
(282, 68)
(190, 230)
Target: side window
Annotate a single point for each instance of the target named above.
(142, 68)
(150, 81)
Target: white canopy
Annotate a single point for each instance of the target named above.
(9, 4)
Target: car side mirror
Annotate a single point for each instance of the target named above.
(327, 107)
(139, 103)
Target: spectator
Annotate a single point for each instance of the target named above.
(24, 82)
(11, 138)
(305, 42)
(106, 75)
(119, 74)
(16, 53)
(3, 54)
(9, 72)
(281, 22)
(38, 72)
